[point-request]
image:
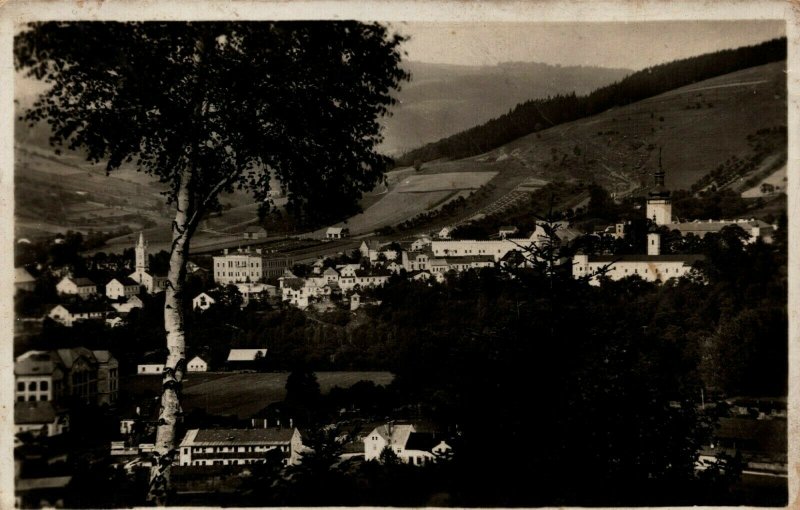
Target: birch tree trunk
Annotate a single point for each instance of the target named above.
(165, 447)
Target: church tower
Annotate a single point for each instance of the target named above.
(659, 204)
(142, 264)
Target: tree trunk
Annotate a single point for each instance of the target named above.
(165, 447)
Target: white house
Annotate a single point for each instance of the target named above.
(231, 447)
(337, 232)
(202, 301)
(410, 446)
(122, 287)
(197, 364)
(506, 231)
(69, 314)
(420, 243)
(81, 287)
(444, 233)
(150, 368)
(372, 249)
(256, 292)
(348, 269)
(113, 322)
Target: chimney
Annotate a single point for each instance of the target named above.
(291, 423)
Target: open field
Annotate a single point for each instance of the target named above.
(777, 179)
(243, 395)
(443, 182)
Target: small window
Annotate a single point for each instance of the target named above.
(32, 386)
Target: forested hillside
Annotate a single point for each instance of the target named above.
(539, 114)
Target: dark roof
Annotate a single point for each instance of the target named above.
(469, 259)
(637, 257)
(34, 412)
(294, 283)
(125, 280)
(35, 364)
(242, 436)
(755, 435)
(422, 441)
(82, 282)
(68, 356)
(86, 306)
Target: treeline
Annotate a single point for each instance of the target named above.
(539, 114)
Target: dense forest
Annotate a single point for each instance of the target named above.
(539, 114)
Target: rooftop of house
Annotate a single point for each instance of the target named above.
(245, 354)
(85, 307)
(32, 413)
(395, 435)
(82, 282)
(39, 363)
(68, 357)
(227, 437)
(22, 275)
(715, 225)
(422, 441)
(330, 272)
(640, 257)
(103, 356)
(469, 259)
(336, 230)
(126, 281)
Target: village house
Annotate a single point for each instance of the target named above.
(506, 231)
(248, 266)
(127, 306)
(444, 233)
(152, 283)
(197, 364)
(300, 292)
(417, 260)
(348, 269)
(81, 287)
(226, 447)
(122, 287)
(23, 280)
(258, 292)
(254, 232)
(115, 322)
(202, 301)
(372, 250)
(410, 446)
(152, 364)
(40, 418)
(420, 243)
(337, 233)
(363, 279)
(70, 313)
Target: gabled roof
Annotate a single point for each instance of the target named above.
(395, 435)
(207, 297)
(103, 356)
(126, 281)
(68, 357)
(226, 437)
(197, 358)
(422, 441)
(32, 413)
(38, 363)
(337, 230)
(81, 282)
(21, 275)
(245, 354)
(330, 272)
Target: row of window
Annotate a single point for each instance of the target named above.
(34, 386)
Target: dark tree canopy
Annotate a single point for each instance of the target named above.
(238, 102)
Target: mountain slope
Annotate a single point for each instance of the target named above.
(698, 128)
(441, 100)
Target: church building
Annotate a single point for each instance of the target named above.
(152, 282)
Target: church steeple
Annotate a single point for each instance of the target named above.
(142, 264)
(659, 204)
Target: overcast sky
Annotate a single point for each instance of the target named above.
(625, 45)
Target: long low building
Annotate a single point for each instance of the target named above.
(648, 267)
(226, 447)
(756, 228)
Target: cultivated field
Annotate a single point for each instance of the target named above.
(243, 395)
(443, 182)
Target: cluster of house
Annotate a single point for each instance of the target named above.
(231, 447)
(241, 359)
(655, 265)
(47, 382)
(79, 293)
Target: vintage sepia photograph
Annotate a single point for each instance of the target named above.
(352, 261)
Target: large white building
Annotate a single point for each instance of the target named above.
(230, 447)
(244, 265)
(81, 287)
(650, 267)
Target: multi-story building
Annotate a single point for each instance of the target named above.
(122, 287)
(246, 265)
(225, 447)
(410, 446)
(88, 376)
